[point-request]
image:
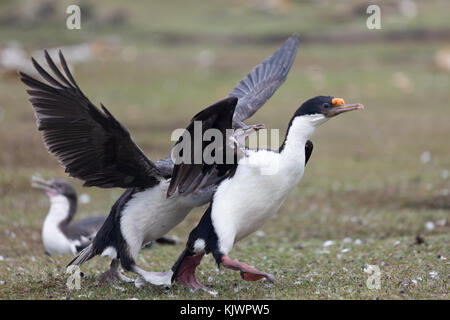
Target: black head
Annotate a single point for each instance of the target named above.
(327, 106)
(55, 187)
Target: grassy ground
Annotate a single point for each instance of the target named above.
(365, 188)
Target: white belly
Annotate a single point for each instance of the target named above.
(245, 202)
(149, 215)
(55, 242)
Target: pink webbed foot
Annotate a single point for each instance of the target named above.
(186, 272)
(248, 273)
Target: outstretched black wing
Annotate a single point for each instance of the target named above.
(88, 142)
(188, 177)
(260, 84)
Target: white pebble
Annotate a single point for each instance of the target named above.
(328, 243)
(433, 274)
(358, 242)
(260, 234)
(1, 258)
(347, 240)
(425, 157)
(444, 174)
(85, 198)
(2, 282)
(345, 250)
(429, 225)
(396, 243)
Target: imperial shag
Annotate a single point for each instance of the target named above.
(252, 190)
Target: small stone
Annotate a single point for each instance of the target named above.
(85, 198)
(420, 239)
(425, 157)
(260, 234)
(429, 225)
(328, 243)
(358, 242)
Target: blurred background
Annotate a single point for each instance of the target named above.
(377, 185)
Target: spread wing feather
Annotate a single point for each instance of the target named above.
(262, 82)
(88, 142)
(188, 177)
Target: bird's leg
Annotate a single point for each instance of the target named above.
(113, 274)
(185, 271)
(155, 278)
(248, 273)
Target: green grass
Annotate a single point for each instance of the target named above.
(365, 179)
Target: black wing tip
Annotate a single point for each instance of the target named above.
(23, 75)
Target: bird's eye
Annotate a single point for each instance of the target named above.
(326, 105)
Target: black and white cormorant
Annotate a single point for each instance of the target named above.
(59, 234)
(252, 191)
(93, 146)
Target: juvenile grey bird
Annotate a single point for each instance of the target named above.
(60, 234)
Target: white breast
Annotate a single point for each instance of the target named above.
(55, 242)
(245, 202)
(149, 215)
(261, 183)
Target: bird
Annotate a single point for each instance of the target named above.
(92, 145)
(59, 235)
(252, 190)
